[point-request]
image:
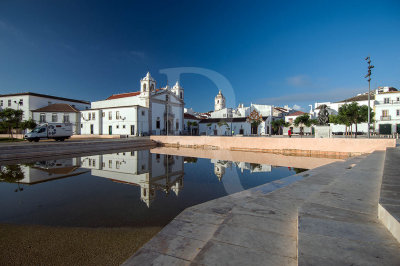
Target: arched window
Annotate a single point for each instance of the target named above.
(181, 95)
(218, 101)
(152, 87)
(144, 87)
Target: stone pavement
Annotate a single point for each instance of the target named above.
(337, 223)
(389, 201)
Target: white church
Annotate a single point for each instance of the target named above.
(148, 111)
(230, 121)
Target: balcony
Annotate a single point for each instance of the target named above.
(386, 118)
(388, 102)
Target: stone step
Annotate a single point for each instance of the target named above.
(338, 225)
(389, 201)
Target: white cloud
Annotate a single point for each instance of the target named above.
(299, 81)
(297, 107)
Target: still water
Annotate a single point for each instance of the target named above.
(124, 189)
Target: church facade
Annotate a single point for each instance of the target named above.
(150, 111)
(225, 121)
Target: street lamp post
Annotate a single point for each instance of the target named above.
(368, 59)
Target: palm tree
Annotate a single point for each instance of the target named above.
(304, 120)
(278, 124)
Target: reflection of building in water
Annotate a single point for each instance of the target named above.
(149, 171)
(43, 171)
(220, 167)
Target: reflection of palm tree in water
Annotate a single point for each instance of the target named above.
(12, 174)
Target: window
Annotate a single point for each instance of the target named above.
(152, 87)
(90, 116)
(117, 164)
(144, 87)
(123, 126)
(158, 123)
(109, 164)
(66, 118)
(54, 118)
(117, 126)
(386, 100)
(398, 112)
(21, 102)
(385, 113)
(94, 163)
(166, 97)
(177, 124)
(9, 103)
(93, 116)
(117, 115)
(103, 114)
(42, 118)
(110, 115)
(398, 99)
(1, 103)
(48, 103)
(81, 125)
(181, 95)
(143, 113)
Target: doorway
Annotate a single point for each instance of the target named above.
(110, 130)
(91, 129)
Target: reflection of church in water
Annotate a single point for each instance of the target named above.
(220, 167)
(141, 168)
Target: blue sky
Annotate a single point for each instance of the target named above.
(273, 52)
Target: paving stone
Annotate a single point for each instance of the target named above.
(202, 232)
(200, 218)
(364, 232)
(263, 224)
(220, 254)
(148, 257)
(323, 211)
(176, 246)
(322, 250)
(275, 243)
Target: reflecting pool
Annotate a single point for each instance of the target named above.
(124, 189)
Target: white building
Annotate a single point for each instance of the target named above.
(30, 101)
(149, 171)
(362, 99)
(220, 167)
(387, 112)
(228, 121)
(59, 113)
(148, 111)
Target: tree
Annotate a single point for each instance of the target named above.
(12, 174)
(255, 119)
(304, 120)
(352, 113)
(28, 124)
(278, 124)
(10, 119)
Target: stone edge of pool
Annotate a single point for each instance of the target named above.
(224, 229)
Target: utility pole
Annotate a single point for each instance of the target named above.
(368, 59)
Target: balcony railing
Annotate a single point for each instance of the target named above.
(385, 118)
(388, 102)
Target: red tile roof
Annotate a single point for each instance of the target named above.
(58, 107)
(190, 116)
(123, 95)
(297, 113)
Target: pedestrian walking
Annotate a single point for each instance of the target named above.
(290, 133)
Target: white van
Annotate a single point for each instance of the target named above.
(56, 131)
